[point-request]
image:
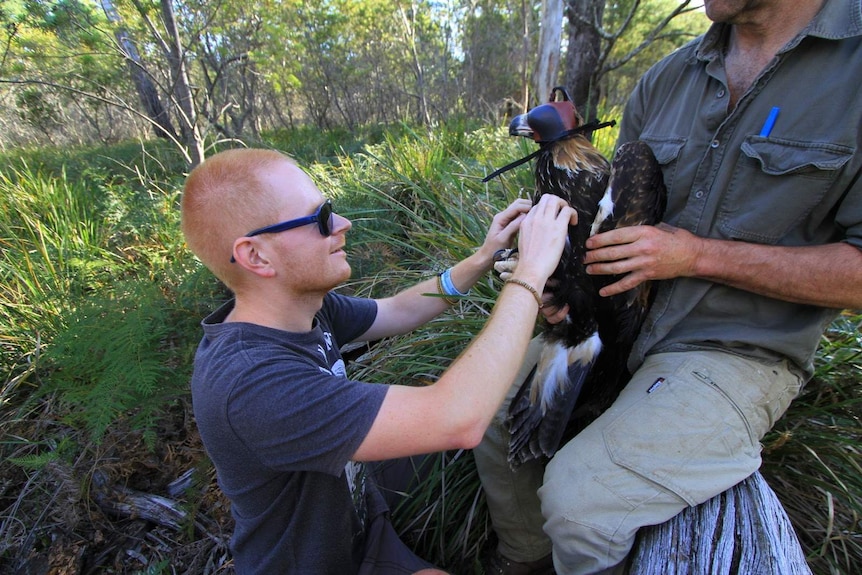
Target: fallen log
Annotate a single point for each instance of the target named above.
(124, 502)
(744, 530)
(121, 501)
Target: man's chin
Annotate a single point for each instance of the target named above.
(346, 274)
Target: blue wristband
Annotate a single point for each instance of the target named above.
(447, 285)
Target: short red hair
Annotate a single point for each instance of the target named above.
(223, 198)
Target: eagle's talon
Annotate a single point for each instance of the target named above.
(505, 263)
(505, 254)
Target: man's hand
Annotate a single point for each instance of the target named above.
(505, 264)
(642, 253)
(504, 226)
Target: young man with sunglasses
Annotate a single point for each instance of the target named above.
(282, 422)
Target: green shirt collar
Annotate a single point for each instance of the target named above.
(837, 20)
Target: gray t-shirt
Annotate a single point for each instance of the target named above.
(799, 183)
(280, 420)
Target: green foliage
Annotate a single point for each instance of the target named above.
(813, 457)
(53, 252)
(489, 31)
(92, 270)
(35, 108)
(679, 31)
(60, 51)
(448, 518)
(55, 452)
(100, 304)
(163, 566)
(354, 63)
(310, 145)
(75, 74)
(129, 162)
(112, 360)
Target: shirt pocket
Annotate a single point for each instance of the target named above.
(667, 151)
(776, 185)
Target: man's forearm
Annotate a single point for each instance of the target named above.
(827, 275)
(413, 307)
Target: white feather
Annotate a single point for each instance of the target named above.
(606, 210)
(552, 373)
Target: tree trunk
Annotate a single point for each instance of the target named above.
(184, 100)
(144, 85)
(550, 37)
(423, 116)
(582, 56)
(743, 530)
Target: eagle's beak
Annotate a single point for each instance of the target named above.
(519, 127)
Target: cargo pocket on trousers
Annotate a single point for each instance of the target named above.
(687, 436)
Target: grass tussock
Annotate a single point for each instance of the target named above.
(99, 321)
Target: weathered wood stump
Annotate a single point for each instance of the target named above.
(744, 531)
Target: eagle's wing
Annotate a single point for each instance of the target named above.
(636, 192)
(537, 424)
(636, 195)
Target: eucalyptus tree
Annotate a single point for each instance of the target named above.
(499, 46)
(222, 40)
(59, 76)
(74, 56)
(353, 62)
(548, 59)
(146, 88)
(170, 69)
(603, 37)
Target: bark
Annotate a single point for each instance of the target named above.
(144, 84)
(550, 38)
(170, 512)
(743, 530)
(583, 56)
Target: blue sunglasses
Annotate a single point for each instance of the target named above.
(323, 217)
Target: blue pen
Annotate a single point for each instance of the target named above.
(770, 122)
(655, 385)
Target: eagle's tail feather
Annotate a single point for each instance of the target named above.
(540, 411)
(553, 425)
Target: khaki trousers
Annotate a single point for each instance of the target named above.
(687, 427)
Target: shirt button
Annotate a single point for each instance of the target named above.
(713, 144)
(720, 93)
(698, 194)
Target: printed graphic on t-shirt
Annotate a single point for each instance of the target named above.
(337, 367)
(357, 476)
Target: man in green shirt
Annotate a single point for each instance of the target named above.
(757, 127)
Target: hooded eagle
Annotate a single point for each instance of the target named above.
(582, 366)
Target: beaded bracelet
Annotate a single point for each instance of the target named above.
(527, 286)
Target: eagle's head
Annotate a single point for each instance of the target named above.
(548, 122)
